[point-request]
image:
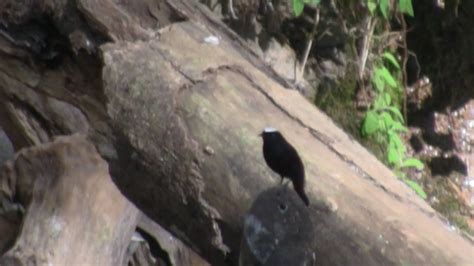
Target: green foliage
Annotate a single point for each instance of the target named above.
(372, 6)
(411, 162)
(416, 187)
(404, 6)
(391, 59)
(371, 123)
(384, 120)
(298, 5)
(384, 6)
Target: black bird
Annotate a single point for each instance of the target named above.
(282, 158)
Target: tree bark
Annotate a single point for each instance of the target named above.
(177, 119)
(74, 214)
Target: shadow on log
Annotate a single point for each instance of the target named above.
(171, 248)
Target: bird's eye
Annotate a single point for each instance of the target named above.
(283, 207)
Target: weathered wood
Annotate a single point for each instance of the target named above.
(74, 214)
(178, 118)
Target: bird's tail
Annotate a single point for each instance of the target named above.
(302, 194)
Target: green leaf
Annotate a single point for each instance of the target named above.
(412, 162)
(390, 58)
(396, 112)
(398, 127)
(384, 7)
(371, 123)
(377, 80)
(417, 188)
(379, 84)
(380, 104)
(371, 5)
(394, 141)
(388, 120)
(395, 152)
(298, 6)
(388, 98)
(393, 156)
(406, 7)
(385, 74)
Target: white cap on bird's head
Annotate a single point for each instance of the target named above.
(268, 130)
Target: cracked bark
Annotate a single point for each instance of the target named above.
(155, 101)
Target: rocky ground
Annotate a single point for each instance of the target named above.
(446, 142)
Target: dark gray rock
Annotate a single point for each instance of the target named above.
(277, 230)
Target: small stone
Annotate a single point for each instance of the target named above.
(208, 150)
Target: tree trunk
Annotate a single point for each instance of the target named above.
(177, 119)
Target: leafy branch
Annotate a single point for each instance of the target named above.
(384, 120)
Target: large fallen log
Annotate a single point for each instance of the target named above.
(177, 119)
